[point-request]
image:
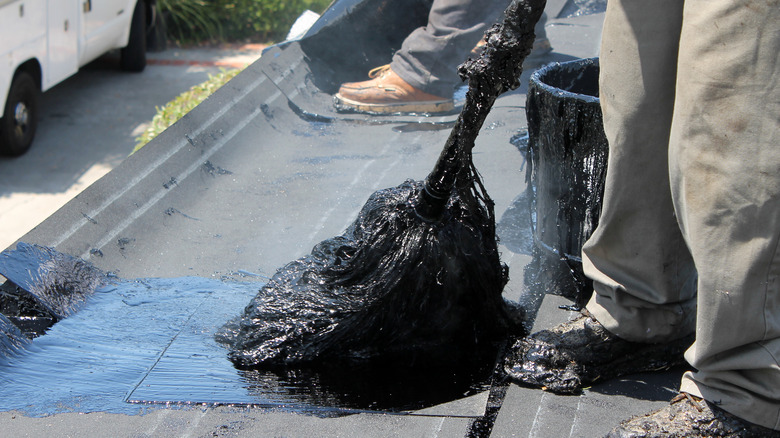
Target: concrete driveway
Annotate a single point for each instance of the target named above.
(89, 123)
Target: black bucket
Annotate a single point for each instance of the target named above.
(568, 155)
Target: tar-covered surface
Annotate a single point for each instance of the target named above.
(151, 341)
(568, 165)
(394, 289)
(254, 178)
(417, 277)
(229, 200)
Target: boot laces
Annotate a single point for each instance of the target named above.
(378, 71)
(685, 396)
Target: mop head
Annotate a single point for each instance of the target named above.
(417, 277)
(393, 286)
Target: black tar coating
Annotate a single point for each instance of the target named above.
(418, 275)
(568, 164)
(580, 352)
(57, 282)
(11, 338)
(496, 71)
(686, 416)
(391, 286)
(43, 287)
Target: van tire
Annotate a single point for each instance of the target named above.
(20, 120)
(133, 57)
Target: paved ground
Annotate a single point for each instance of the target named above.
(89, 124)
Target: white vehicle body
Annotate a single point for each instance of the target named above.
(52, 39)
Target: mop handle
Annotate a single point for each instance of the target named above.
(496, 71)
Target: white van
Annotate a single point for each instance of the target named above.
(43, 42)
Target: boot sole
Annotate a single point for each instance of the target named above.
(433, 106)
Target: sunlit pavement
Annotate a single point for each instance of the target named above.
(89, 123)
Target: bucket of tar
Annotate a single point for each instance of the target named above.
(568, 151)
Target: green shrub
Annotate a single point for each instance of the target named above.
(262, 20)
(189, 20)
(181, 105)
(234, 20)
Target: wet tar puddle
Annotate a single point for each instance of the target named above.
(138, 344)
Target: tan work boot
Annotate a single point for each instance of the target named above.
(387, 93)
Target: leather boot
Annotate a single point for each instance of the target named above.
(579, 352)
(387, 93)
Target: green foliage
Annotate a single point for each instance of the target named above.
(262, 20)
(172, 111)
(232, 20)
(190, 20)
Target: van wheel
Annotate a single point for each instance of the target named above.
(20, 120)
(133, 57)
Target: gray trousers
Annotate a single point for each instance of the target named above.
(430, 55)
(690, 228)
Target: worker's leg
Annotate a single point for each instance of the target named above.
(643, 274)
(423, 73)
(430, 55)
(725, 168)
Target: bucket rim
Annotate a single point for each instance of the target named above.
(536, 78)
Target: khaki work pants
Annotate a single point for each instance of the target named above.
(430, 55)
(689, 232)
